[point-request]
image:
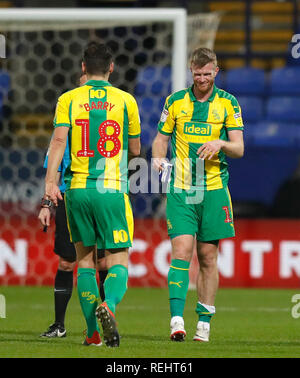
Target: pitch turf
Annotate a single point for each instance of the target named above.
(249, 323)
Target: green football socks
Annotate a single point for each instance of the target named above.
(205, 312)
(88, 293)
(115, 286)
(178, 283)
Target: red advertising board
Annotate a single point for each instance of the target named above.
(264, 253)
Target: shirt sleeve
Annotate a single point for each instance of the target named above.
(234, 119)
(62, 112)
(134, 123)
(167, 120)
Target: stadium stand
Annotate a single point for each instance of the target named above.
(6, 4)
(271, 30)
(264, 82)
(246, 81)
(285, 81)
(283, 108)
(274, 134)
(151, 98)
(252, 108)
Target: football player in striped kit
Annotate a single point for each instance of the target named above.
(204, 124)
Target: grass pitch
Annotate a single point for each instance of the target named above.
(249, 323)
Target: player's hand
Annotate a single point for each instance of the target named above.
(209, 149)
(44, 216)
(53, 193)
(157, 163)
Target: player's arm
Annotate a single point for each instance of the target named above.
(45, 214)
(234, 147)
(134, 145)
(57, 147)
(165, 129)
(56, 152)
(159, 150)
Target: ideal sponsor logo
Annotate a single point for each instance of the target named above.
(197, 128)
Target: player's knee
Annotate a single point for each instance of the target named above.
(65, 265)
(182, 249)
(207, 261)
(181, 255)
(182, 252)
(207, 255)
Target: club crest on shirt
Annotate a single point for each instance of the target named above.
(216, 115)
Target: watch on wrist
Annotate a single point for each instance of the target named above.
(46, 203)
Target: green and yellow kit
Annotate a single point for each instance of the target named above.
(100, 118)
(190, 123)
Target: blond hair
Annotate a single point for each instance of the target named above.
(202, 55)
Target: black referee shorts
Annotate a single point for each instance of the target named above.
(62, 244)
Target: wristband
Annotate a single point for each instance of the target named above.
(46, 203)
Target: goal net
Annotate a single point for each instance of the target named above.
(43, 50)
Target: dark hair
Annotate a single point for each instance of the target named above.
(97, 58)
(202, 55)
